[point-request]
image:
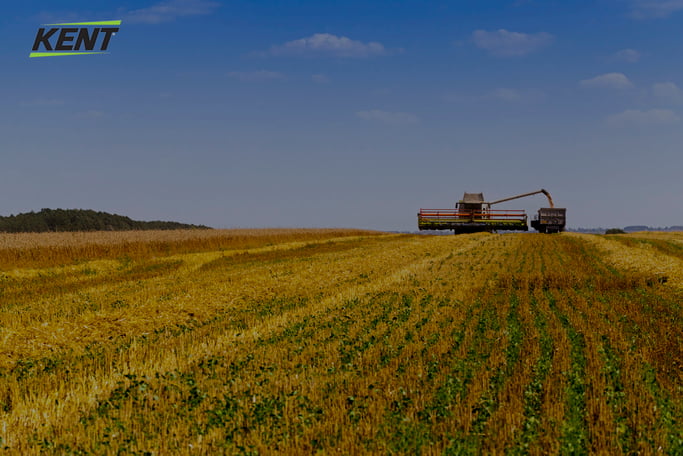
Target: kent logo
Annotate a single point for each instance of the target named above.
(66, 39)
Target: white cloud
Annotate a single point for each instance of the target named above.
(320, 79)
(327, 44)
(627, 55)
(169, 10)
(51, 17)
(255, 76)
(635, 117)
(644, 9)
(388, 117)
(608, 81)
(668, 91)
(506, 94)
(510, 44)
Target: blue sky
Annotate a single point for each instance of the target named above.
(355, 114)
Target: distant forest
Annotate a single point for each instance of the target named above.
(81, 220)
(628, 229)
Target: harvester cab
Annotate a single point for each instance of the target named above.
(472, 203)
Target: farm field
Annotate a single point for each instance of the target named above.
(341, 342)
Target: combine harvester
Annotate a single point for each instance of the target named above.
(473, 214)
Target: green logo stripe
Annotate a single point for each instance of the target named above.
(56, 54)
(90, 23)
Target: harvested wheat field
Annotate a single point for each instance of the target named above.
(341, 342)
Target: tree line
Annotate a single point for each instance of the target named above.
(81, 220)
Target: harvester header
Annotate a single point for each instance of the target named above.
(473, 214)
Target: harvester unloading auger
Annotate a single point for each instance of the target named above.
(473, 214)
